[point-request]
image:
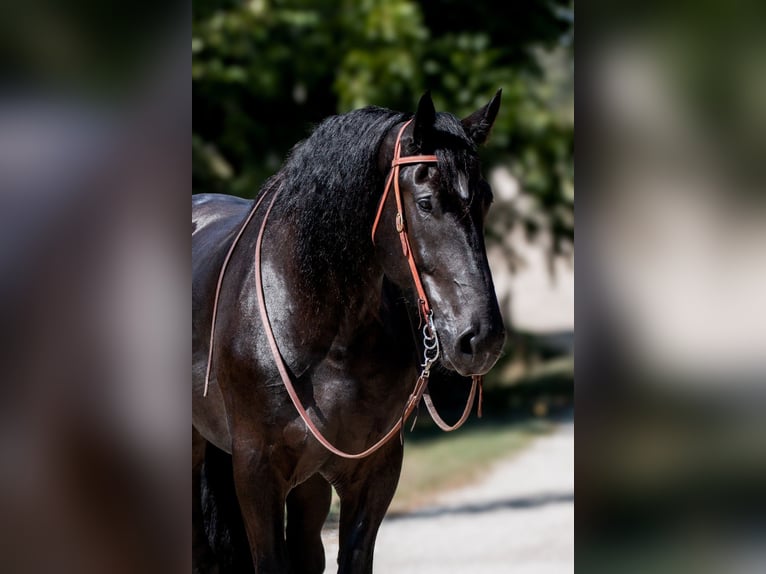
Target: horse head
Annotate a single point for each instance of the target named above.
(444, 201)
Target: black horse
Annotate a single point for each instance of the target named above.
(342, 321)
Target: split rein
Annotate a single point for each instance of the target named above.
(431, 348)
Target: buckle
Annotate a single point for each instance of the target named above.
(399, 222)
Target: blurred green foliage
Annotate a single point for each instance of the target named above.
(264, 72)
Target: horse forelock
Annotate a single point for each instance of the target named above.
(456, 152)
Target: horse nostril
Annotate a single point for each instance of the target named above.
(466, 342)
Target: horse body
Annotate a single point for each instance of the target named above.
(355, 371)
(345, 319)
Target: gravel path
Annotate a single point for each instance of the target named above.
(518, 519)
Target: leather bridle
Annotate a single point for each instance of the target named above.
(393, 176)
(430, 338)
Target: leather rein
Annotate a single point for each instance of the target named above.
(431, 349)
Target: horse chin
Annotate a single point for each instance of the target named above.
(461, 370)
(470, 368)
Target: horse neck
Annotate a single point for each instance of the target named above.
(324, 302)
(350, 297)
(324, 249)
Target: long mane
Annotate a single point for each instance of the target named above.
(330, 186)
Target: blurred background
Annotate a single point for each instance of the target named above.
(95, 127)
(671, 288)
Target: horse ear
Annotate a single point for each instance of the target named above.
(424, 120)
(479, 123)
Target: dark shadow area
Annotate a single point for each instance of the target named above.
(511, 503)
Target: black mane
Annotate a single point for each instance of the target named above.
(331, 185)
(330, 188)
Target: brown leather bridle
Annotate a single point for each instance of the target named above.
(393, 176)
(430, 337)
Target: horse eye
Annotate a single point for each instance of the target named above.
(425, 204)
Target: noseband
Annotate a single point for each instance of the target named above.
(430, 338)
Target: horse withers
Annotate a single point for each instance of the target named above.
(318, 310)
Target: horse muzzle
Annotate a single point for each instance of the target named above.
(475, 349)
